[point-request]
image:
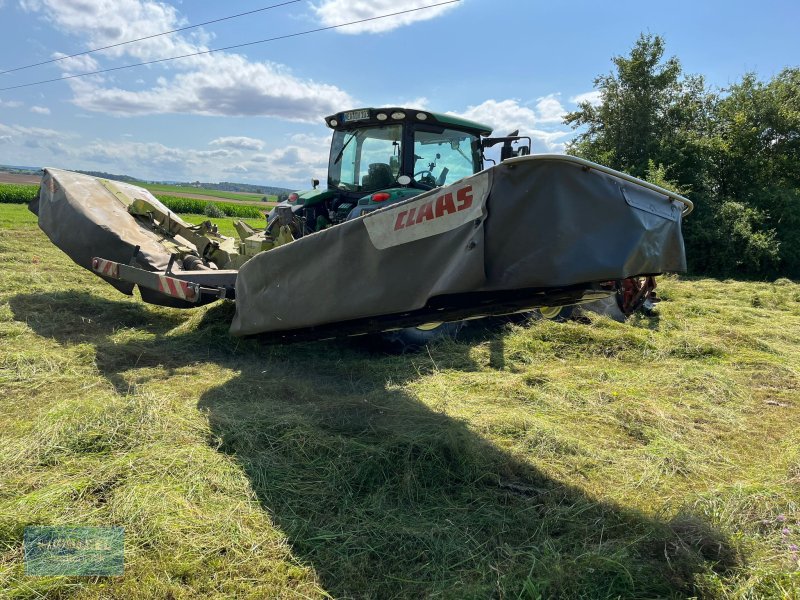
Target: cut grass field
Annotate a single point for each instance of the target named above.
(654, 459)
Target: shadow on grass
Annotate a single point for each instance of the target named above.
(382, 496)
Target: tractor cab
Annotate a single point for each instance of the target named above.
(380, 156)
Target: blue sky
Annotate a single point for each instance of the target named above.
(254, 115)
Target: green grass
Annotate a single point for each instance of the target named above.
(654, 459)
(158, 187)
(225, 224)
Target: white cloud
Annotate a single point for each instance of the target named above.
(594, 98)
(420, 102)
(76, 64)
(305, 156)
(221, 153)
(549, 109)
(300, 157)
(40, 110)
(212, 84)
(549, 141)
(238, 142)
(226, 85)
(334, 12)
(107, 22)
(21, 131)
(505, 116)
(10, 104)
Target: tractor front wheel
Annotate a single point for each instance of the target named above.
(559, 314)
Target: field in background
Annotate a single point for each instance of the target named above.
(11, 180)
(192, 192)
(19, 178)
(16, 193)
(22, 194)
(654, 459)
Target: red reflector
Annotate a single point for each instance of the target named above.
(293, 197)
(380, 197)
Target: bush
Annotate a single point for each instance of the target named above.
(214, 211)
(731, 239)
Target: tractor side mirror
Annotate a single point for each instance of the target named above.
(314, 183)
(507, 150)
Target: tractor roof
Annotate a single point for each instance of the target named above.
(397, 114)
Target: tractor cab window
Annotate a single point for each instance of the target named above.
(442, 156)
(365, 160)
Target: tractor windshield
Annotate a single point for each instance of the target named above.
(366, 159)
(442, 156)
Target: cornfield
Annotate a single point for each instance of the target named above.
(22, 194)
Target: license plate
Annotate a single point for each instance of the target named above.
(355, 115)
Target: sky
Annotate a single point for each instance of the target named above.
(254, 114)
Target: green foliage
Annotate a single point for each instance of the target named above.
(199, 207)
(646, 102)
(12, 193)
(212, 210)
(658, 174)
(733, 152)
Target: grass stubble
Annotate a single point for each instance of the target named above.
(654, 459)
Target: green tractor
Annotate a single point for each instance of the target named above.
(383, 156)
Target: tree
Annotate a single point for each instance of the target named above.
(646, 112)
(733, 154)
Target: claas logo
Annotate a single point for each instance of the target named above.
(435, 209)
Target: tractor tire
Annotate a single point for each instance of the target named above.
(558, 314)
(412, 339)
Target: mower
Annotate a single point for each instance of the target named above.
(416, 230)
